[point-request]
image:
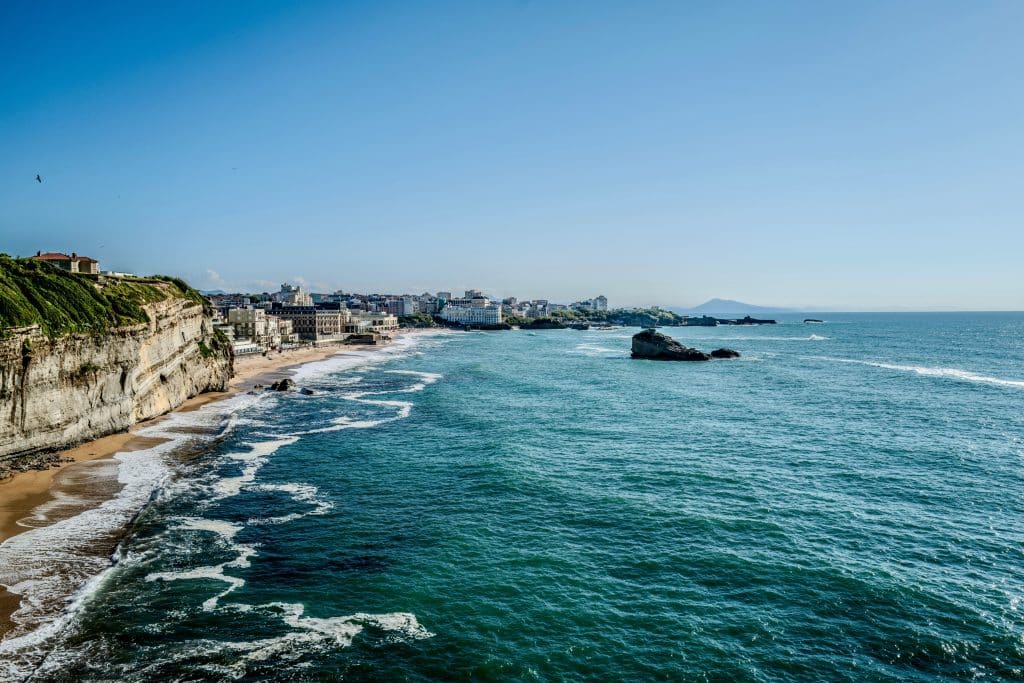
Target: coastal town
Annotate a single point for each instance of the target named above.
(294, 317)
(259, 322)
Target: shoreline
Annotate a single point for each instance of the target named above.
(24, 492)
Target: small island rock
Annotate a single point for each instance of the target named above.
(725, 353)
(652, 345)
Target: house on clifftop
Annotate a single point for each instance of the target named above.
(72, 264)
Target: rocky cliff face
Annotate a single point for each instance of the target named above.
(60, 391)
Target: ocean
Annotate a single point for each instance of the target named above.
(845, 502)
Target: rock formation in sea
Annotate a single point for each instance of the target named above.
(725, 353)
(97, 357)
(653, 345)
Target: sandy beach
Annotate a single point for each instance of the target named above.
(23, 492)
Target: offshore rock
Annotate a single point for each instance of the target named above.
(282, 385)
(652, 345)
(725, 353)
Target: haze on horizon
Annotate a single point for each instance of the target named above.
(864, 156)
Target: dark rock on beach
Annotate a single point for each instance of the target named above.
(282, 385)
(652, 345)
(725, 353)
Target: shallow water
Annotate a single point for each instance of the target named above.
(842, 503)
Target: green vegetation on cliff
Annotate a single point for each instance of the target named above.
(417, 320)
(640, 317)
(36, 293)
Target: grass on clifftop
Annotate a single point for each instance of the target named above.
(36, 293)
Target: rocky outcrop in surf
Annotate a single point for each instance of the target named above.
(653, 345)
(725, 353)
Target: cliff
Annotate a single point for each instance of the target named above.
(97, 356)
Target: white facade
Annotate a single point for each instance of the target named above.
(293, 296)
(363, 321)
(473, 315)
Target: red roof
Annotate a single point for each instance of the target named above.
(57, 256)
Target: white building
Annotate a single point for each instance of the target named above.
(375, 322)
(473, 315)
(293, 296)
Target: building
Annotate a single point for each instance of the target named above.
(489, 314)
(598, 303)
(244, 347)
(293, 296)
(279, 331)
(538, 309)
(374, 322)
(315, 323)
(249, 323)
(72, 264)
(427, 303)
(410, 305)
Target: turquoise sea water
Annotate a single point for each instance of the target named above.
(845, 502)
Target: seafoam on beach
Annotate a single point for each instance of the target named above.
(55, 567)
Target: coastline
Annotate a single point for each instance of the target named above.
(25, 492)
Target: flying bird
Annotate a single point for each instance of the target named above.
(38, 179)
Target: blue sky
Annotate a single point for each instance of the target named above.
(861, 156)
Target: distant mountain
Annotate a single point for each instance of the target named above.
(728, 307)
(211, 292)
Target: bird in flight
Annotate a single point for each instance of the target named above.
(38, 179)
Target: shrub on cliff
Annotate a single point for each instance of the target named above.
(37, 293)
(417, 320)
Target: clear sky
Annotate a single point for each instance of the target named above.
(857, 155)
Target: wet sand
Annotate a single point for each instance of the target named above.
(24, 492)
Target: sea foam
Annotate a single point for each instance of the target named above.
(46, 565)
(926, 371)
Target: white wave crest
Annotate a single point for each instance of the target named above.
(926, 371)
(300, 493)
(254, 459)
(331, 631)
(54, 569)
(596, 350)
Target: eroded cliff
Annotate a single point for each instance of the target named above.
(57, 390)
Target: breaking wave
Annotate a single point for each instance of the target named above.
(926, 371)
(55, 569)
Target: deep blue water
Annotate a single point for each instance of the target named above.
(842, 503)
